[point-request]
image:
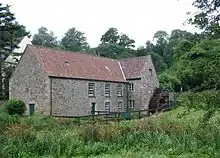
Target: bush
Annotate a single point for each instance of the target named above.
(15, 107)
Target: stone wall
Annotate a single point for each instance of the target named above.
(70, 97)
(149, 83)
(136, 94)
(144, 87)
(30, 83)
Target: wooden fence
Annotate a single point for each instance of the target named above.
(111, 117)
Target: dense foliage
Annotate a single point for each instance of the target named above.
(14, 107)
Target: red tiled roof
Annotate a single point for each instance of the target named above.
(77, 65)
(133, 67)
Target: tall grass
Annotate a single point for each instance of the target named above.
(167, 134)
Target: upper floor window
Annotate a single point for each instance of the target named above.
(107, 106)
(91, 89)
(131, 87)
(120, 106)
(151, 72)
(119, 90)
(131, 103)
(107, 89)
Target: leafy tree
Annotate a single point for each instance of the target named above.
(161, 38)
(149, 46)
(207, 17)
(169, 81)
(125, 41)
(115, 46)
(45, 38)
(114, 51)
(74, 40)
(111, 36)
(10, 31)
(197, 68)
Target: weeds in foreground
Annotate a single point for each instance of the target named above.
(38, 136)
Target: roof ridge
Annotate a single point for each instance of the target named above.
(122, 71)
(139, 57)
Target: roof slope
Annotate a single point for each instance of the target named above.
(60, 63)
(132, 67)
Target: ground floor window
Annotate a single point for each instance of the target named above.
(107, 106)
(120, 106)
(131, 103)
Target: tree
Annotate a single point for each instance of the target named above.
(125, 41)
(114, 51)
(45, 38)
(161, 38)
(74, 40)
(149, 46)
(111, 36)
(10, 31)
(207, 17)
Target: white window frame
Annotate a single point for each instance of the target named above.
(131, 87)
(131, 104)
(120, 106)
(107, 90)
(91, 89)
(120, 90)
(107, 108)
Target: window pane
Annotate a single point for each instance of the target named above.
(131, 103)
(107, 106)
(131, 87)
(107, 89)
(91, 89)
(120, 106)
(119, 90)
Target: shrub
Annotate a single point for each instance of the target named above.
(15, 107)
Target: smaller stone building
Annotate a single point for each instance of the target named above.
(55, 82)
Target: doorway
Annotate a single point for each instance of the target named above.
(31, 109)
(93, 108)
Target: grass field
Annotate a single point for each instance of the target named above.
(169, 134)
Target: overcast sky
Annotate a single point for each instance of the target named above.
(139, 19)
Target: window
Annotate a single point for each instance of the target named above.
(107, 106)
(91, 89)
(131, 87)
(151, 72)
(119, 92)
(107, 89)
(131, 103)
(120, 106)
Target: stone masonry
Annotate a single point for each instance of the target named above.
(70, 97)
(57, 81)
(31, 84)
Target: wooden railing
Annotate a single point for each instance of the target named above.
(111, 117)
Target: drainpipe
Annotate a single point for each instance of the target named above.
(51, 96)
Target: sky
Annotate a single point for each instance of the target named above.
(139, 19)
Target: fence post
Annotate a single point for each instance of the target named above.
(116, 118)
(79, 121)
(93, 118)
(106, 119)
